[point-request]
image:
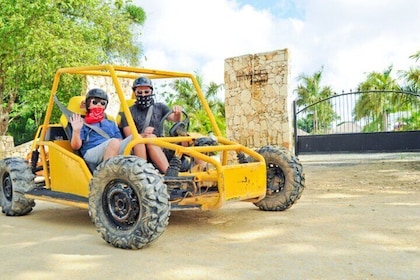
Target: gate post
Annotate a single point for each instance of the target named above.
(256, 99)
(295, 125)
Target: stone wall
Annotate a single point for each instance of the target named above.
(8, 149)
(258, 111)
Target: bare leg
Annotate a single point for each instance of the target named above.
(157, 156)
(112, 148)
(140, 151)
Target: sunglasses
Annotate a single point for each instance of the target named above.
(143, 91)
(100, 101)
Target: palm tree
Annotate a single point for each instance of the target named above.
(184, 94)
(377, 106)
(411, 80)
(309, 91)
(416, 56)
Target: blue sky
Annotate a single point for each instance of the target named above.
(347, 38)
(279, 8)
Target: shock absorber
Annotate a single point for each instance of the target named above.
(34, 161)
(174, 167)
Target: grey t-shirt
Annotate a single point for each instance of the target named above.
(139, 117)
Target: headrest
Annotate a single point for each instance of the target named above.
(76, 105)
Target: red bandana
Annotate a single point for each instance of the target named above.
(95, 115)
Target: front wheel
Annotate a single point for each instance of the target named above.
(128, 202)
(16, 179)
(285, 179)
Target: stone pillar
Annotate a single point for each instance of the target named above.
(256, 98)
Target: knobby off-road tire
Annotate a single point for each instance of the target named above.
(285, 179)
(16, 179)
(128, 202)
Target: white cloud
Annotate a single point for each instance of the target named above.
(348, 38)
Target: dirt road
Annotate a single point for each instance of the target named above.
(358, 218)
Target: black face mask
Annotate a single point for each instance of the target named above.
(144, 102)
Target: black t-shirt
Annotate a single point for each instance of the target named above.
(139, 117)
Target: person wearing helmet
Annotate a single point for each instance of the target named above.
(95, 144)
(143, 91)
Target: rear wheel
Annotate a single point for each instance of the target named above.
(285, 179)
(16, 179)
(128, 202)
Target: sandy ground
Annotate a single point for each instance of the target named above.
(358, 218)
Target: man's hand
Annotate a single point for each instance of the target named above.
(177, 114)
(76, 122)
(177, 109)
(148, 131)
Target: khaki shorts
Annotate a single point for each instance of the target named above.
(96, 155)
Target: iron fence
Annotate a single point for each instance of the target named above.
(360, 111)
(361, 116)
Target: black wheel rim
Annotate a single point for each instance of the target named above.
(121, 204)
(275, 178)
(7, 187)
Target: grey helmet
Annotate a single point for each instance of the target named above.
(142, 81)
(95, 93)
(144, 102)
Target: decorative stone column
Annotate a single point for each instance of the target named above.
(258, 111)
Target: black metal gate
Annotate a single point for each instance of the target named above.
(357, 122)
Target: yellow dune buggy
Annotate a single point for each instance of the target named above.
(128, 200)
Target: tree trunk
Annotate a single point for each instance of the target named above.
(385, 122)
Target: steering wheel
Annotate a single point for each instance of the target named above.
(177, 129)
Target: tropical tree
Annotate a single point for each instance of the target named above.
(416, 56)
(377, 107)
(411, 79)
(183, 93)
(37, 37)
(309, 92)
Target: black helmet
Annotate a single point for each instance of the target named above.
(98, 93)
(95, 93)
(142, 81)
